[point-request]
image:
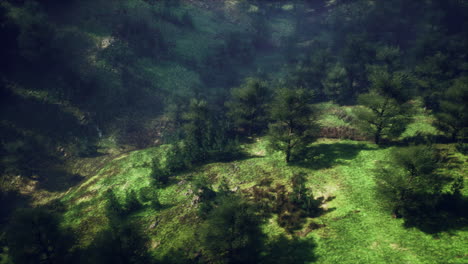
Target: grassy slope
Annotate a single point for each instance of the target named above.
(357, 228)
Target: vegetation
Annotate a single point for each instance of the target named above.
(414, 183)
(293, 126)
(452, 117)
(381, 116)
(231, 233)
(35, 237)
(233, 131)
(248, 107)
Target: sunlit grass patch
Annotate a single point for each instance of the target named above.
(356, 227)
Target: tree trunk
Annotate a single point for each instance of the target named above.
(377, 137)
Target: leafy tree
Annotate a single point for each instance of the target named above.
(293, 119)
(248, 105)
(413, 182)
(231, 234)
(34, 236)
(453, 113)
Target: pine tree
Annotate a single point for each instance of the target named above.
(413, 182)
(34, 236)
(198, 130)
(293, 126)
(231, 234)
(248, 106)
(452, 117)
(381, 116)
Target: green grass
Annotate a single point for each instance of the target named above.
(358, 228)
(333, 115)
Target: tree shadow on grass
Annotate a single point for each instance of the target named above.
(59, 180)
(36, 137)
(321, 156)
(448, 216)
(10, 201)
(290, 250)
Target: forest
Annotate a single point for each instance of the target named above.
(233, 131)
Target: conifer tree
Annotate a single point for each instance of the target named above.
(34, 236)
(293, 126)
(452, 117)
(248, 106)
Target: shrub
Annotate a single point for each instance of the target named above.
(414, 183)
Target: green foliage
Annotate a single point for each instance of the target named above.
(293, 119)
(396, 85)
(34, 236)
(303, 197)
(248, 106)
(121, 244)
(198, 130)
(413, 183)
(292, 207)
(381, 116)
(175, 160)
(231, 233)
(334, 83)
(205, 136)
(452, 117)
(314, 74)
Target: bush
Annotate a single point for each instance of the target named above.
(34, 236)
(231, 234)
(414, 183)
(175, 160)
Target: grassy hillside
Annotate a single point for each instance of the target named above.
(355, 227)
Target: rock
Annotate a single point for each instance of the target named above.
(154, 224)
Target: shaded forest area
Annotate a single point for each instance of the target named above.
(234, 120)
